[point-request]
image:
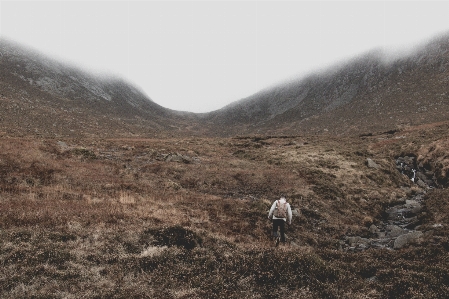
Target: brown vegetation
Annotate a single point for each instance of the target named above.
(187, 218)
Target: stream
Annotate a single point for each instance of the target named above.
(400, 223)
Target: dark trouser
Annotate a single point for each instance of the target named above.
(281, 224)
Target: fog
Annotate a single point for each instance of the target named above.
(201, 56)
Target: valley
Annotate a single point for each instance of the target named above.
(106, 194)
(187, 217)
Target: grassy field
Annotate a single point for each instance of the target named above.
(187, 218)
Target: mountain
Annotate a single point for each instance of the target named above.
(42, 96)
(368, 94)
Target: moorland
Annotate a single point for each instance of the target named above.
(104, 194)
(187, 217)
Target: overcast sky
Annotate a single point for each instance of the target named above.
(200, 56)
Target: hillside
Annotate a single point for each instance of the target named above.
(370, 93)
(105, 194)
(41, 96)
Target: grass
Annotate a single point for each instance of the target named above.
(115, 219)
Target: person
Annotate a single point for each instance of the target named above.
(280, 213)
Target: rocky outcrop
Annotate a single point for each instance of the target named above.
(406, 239)
(371, 93)
(398, 228)
(400, 225)
(420, 175)
(176, 157)
(371, 163)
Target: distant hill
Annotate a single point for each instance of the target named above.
(39, 95)
(370, 93)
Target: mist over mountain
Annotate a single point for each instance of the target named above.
(42, 96)
(370, 93)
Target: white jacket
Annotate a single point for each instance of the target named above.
(289, 211)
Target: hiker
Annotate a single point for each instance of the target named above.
(280, 213)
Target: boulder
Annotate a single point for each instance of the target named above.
(412, 203)
(430, 174)
(393, 213)
(422, 184)
(373, 229)
(395, 231)
(62, 144)
(371, 164)
(421, 175)
(407, 239)
(358, 242)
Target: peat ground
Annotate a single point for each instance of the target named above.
(187, 218)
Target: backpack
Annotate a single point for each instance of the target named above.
(281, 210)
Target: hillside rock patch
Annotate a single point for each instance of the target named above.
(175, 157)
(371, 164)
(399, 228)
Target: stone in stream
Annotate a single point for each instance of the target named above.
(412, 202)
(395, 231)
(422, 184)
(373, 229)
(410, 238)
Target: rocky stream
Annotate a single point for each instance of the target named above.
(400, 224)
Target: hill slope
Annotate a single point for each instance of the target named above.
(42, 96)
(366, 95)
(369, 93)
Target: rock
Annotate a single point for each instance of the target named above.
(174, 158)
(412, 202)
(362, 246)
(372, 279)
(295, 213)
(373, 229)
(430, 174)
(353, 241)
(371, 164)
(395, 231)
(407, 239)
(393, 213)
(422, 184)
(381, 235)
(62, 144)
(358, 242)
(421, 175)
(293, 244)
(365, 242)
(415, 210)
